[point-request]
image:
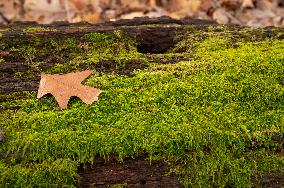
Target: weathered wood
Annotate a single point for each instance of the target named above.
(130, 173)
(156, 39)
(152, 36)
(19, 72)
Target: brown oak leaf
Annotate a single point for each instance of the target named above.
(62, 87)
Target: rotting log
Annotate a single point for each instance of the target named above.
(152, 36)
(26, 49)
(157, 39)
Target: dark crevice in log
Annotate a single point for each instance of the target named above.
(131, 173)
(270, 180)
(159, 42)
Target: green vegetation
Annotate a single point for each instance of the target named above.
(39, 29)
(118, 186)
(211, 116)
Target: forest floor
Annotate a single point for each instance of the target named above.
(256, 13)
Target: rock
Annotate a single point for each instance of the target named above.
(267, 5)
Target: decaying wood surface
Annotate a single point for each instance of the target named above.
(150, 40)
(132, 172)
(155, 40)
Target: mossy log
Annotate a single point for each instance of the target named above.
(165, 49)
(25, 43)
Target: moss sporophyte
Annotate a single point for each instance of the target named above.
(211, 107)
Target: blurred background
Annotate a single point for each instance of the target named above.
(256, 13)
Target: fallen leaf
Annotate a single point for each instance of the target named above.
(267, 5)
(110, 14)
(91, 17)
(10, 10)
(247, 4)
(62, 87)
(221, 16)
(231, 4)
(207, 5)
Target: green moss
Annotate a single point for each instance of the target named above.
(48, 173)
(29, 74)
(119, 185)
(38, 29)
(218, 28)
(4, 29)
(161, 25)
(114, 46)
(202, 115)
(191, 41)
(29, 52)
(277, 32)
(13, 100)
(102, 48)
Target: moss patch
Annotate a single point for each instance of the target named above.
(38, 29)
(211, 116)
